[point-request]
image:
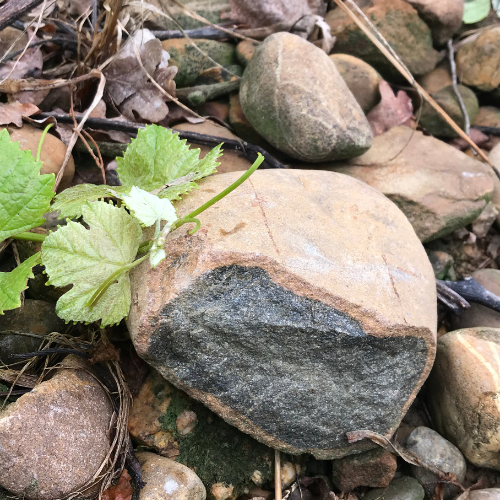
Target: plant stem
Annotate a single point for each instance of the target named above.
(109, 281)
(40, 144)
(27, 236)
(222, 194)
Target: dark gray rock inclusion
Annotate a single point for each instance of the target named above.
(300, 370)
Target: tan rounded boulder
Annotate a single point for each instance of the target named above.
(303, 308)
(463, 392)
(293, 95)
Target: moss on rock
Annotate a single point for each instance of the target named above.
(216, 451)
(191, 62)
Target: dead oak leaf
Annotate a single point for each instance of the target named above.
(13, 113)
(128, 83)
(391, 111)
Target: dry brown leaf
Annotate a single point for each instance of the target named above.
(121, 491)
(13, 112)
(476, 135)
(29, 65)
(391, 111)
(259, 13)
(128, 85)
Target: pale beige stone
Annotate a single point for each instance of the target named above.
(463, 393)
(168, 480)
(444, 17)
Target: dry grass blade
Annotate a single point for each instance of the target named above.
(98, 96)
(412, 81)
(30, 40)
(105, 42)
(277, 475)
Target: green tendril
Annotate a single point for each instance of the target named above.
(40, 144)
(192, 216)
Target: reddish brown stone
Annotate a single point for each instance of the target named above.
(374, 468)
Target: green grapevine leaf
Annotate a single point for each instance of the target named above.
(24, 194)
(158, 159)
(475, 10)
(13, 283)
(174, 192)
(86, 258)
(148, 208)
(71, 201)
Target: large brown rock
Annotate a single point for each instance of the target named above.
(439, 188)
(54, 439)
(308, 114)
(303, 308)
(463, 393)
(400, 25)
(478, 62)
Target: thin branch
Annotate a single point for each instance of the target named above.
(14, 9)
(205, 33)
(454, 82)
(13, 86)
(82, 120)
(249, 150)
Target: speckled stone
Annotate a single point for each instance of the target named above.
(361, 79)
(274, 325)
(447, 99)
(54, 438)
(310, 115)
(435, 450)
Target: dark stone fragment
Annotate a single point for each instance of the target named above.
(296, 368)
